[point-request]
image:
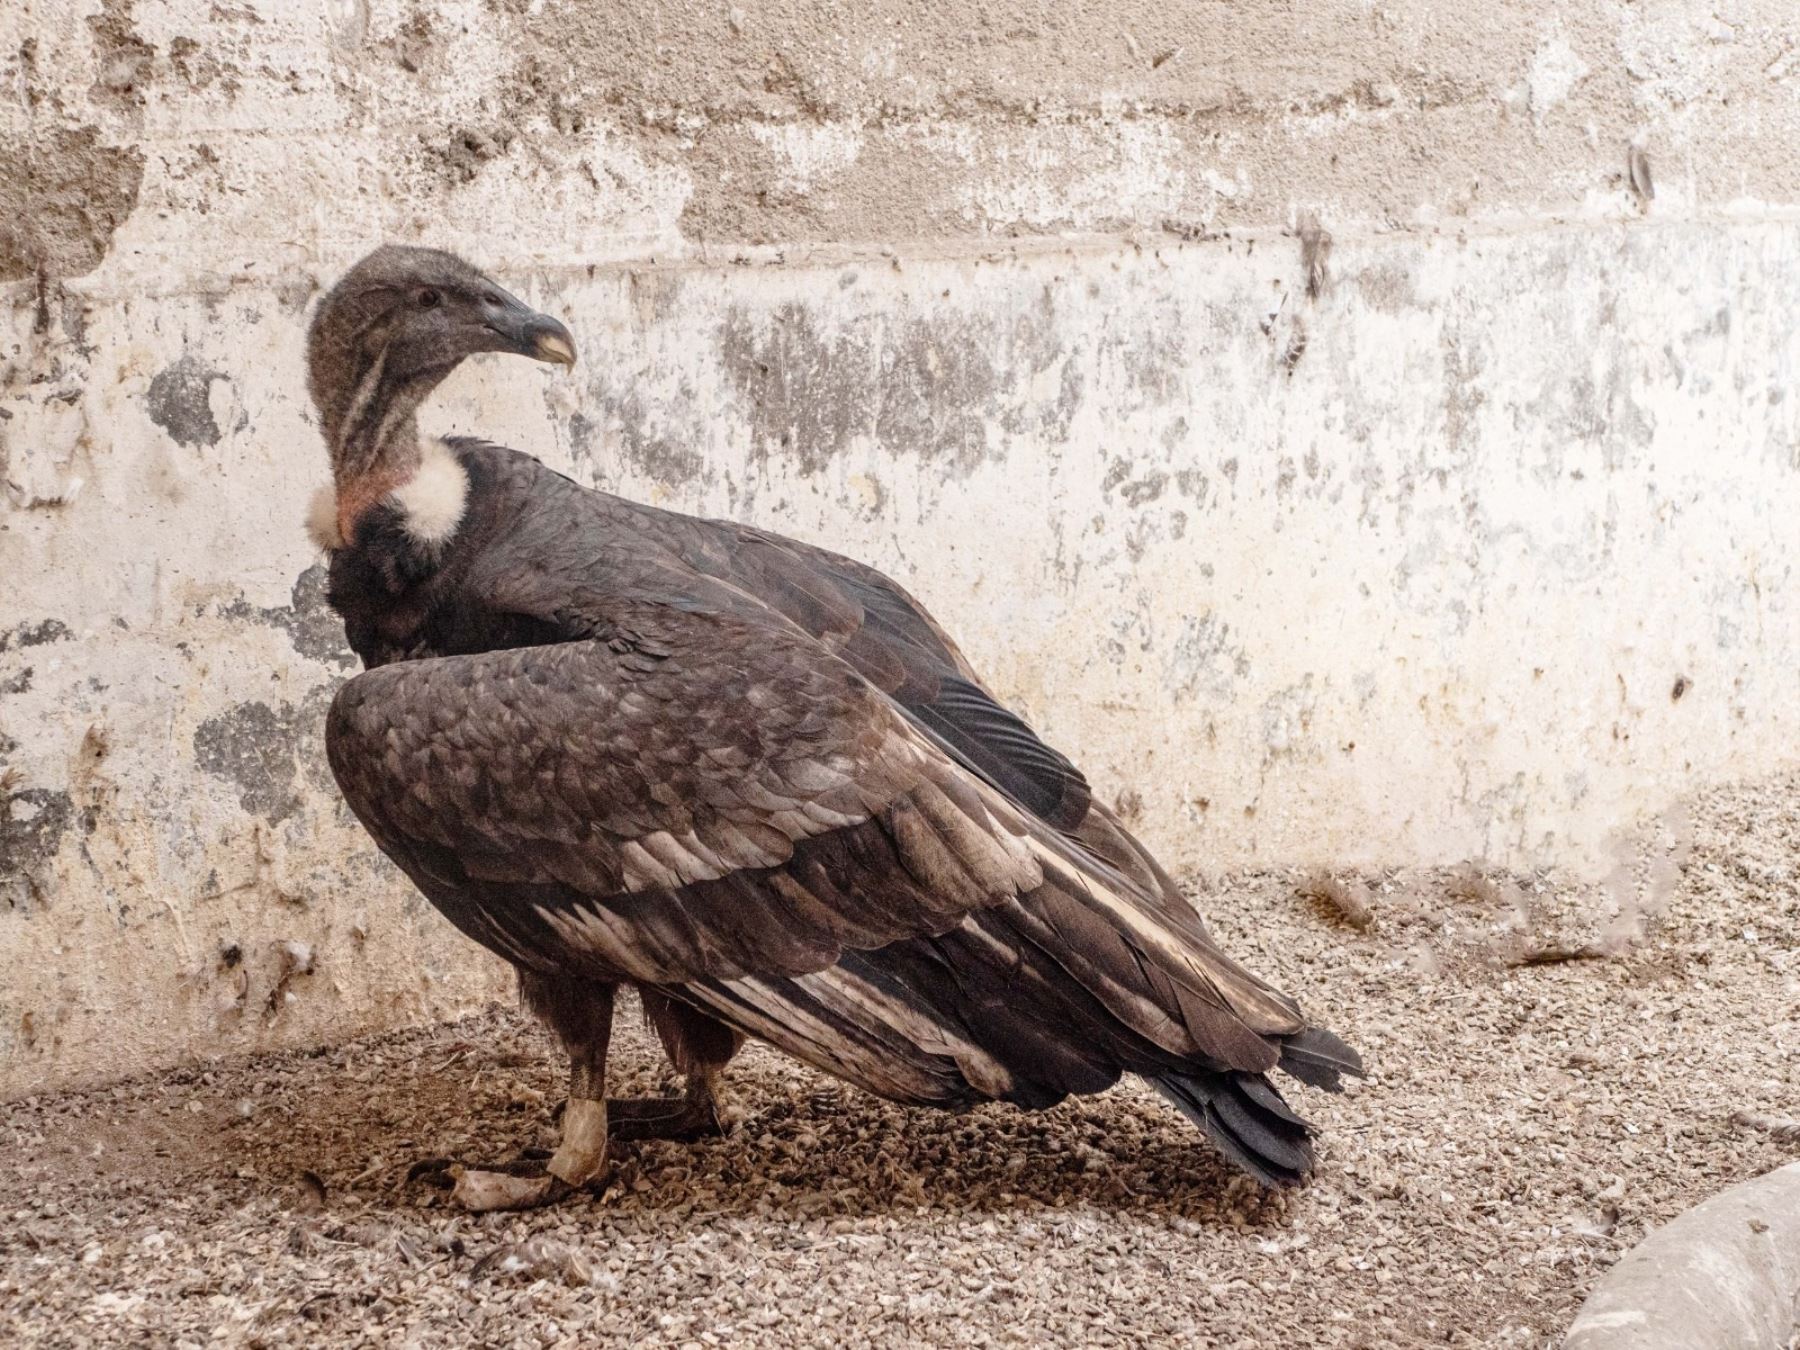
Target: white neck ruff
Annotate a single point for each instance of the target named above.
(431, 503)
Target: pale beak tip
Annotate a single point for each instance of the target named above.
(554, 349)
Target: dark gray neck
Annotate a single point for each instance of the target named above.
(376, 434)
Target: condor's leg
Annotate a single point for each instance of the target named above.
(580, 1013)
(699, 1048)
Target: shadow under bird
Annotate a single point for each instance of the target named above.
(751, 778)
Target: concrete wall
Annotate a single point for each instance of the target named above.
(1485, 550)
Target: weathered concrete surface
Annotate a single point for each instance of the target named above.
(1723, 1276)
(1483, 551)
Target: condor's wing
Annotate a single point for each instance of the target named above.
(646, 804)
(890, 639)
(894, 642)
(564, 559)
(699, 801)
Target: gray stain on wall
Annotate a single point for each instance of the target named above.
(35, 634)
(180, 401)
(253, 746)
(933, 387)
(33, 822)
(308, 619)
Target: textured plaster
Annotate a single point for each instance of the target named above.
(1484, 550)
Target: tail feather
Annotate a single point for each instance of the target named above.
(1319, 1059)
(1261, 1091)
(1273, 1137)
(1272, 1144)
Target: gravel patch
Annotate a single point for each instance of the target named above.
(1555, 1071)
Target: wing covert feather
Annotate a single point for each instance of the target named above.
(742, 802)
(893, 642)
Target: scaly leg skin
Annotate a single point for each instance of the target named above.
(580, 1012)
(699, 1049)
(577, 1162)
(581, 1015)
(696, 1114)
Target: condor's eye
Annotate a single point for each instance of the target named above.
(428, 299)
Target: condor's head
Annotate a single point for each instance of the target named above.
(390, 332)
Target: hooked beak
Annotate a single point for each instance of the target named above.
(550, 341)
(523, 330)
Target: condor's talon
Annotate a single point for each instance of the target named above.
(443, 1173)
(680, 1119)
(482, 1191)
(434, 1172)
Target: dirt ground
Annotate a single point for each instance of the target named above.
(1555, 1070)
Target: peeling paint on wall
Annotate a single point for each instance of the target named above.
(62, 197)
(307, 618)
(253, 746)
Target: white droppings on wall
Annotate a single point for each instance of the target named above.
(809, 156)
(1555, 71)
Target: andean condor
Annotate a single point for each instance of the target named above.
(755, 780)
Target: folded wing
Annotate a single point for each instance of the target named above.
(723, 808)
